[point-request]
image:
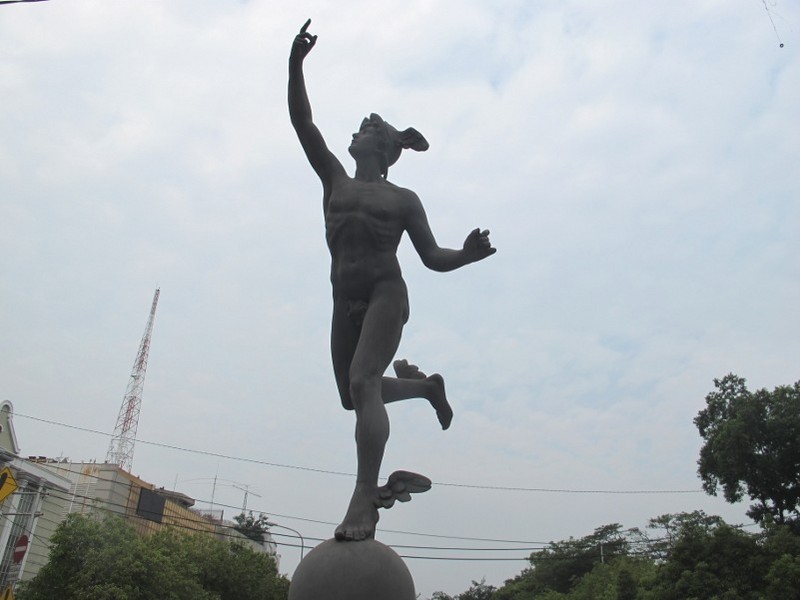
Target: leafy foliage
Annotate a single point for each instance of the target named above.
(694, 556)
(752, 446)
(560, 566)
(253, 527)
(619, 579)
(672, 527)
(479, 590)
(106, 560)
(712, 561)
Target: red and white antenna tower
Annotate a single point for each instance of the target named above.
(120, 450)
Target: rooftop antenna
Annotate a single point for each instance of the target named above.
(120, 450)
(246, 490)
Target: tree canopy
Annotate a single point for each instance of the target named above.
(479, 590)
(563, 563)
(691, 556)
(752, 446)
(105, 559)
(251, 526)
(560, 566)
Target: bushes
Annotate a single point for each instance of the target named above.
(106, 560)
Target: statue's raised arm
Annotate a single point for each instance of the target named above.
(326, 165)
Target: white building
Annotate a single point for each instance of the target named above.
(37, 493)
(31, 504)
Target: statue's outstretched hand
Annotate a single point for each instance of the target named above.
(477, 245)
(303, 43)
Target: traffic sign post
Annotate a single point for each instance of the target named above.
(20, 548)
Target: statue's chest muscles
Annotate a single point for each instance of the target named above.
(365, 209)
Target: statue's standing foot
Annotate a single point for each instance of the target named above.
(362, 514)
(435, 389)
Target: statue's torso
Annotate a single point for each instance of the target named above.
(364, 223)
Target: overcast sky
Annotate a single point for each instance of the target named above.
(636, 163)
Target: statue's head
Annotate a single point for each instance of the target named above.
(376, 136)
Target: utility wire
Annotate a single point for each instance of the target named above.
(188, 527)
(532, 546)
(340, 473)
(271, 514)
(526, 544)
(543, 553)
(538, 547)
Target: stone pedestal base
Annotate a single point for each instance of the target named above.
(366, 570)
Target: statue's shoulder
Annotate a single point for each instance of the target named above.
(402, 192)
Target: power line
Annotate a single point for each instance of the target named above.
(105, 507)
(340, 473)
(536, 545)
(531, 546)
(463, 558)
(177, 527)
(98, 477)
(191, 450)
(108, 505)
(185, 524)
(188, 527)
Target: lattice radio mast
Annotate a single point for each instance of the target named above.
(120, 450)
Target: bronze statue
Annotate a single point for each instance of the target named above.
(365, 217)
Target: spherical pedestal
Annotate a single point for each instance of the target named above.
(366, 570)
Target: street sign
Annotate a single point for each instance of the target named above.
(20, 548)
(7, 486)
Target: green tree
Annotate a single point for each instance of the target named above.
(102, 559)
(712, 561)
(673, 526)
(619, 579)
(228, 570)
(521, 587)
(694, 556)
(752, 446)
(782, 546)
(479, 590)
(106, 560)
(560, 566)
(253, 527)
(783, 579)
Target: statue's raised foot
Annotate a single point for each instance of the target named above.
(435, 389)
(405, 370)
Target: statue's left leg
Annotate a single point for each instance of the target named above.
(377, 344)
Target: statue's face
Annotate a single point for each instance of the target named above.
(368, 140)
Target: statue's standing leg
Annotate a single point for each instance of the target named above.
(376, 345)
(362, 349)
